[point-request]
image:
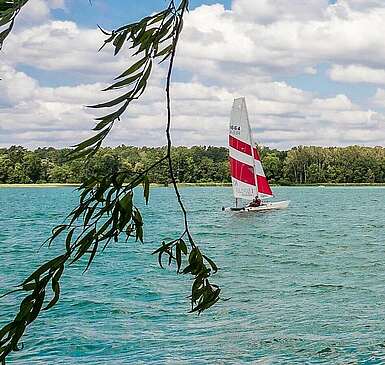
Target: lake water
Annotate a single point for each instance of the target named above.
(307, 285)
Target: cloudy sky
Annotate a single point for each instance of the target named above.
(312, 72)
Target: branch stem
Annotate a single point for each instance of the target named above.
(168, 128)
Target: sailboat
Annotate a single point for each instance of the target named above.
(247, 176)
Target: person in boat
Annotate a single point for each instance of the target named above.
(256, 202)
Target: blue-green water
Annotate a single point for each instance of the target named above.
(307, 285)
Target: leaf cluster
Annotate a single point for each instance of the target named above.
(36, 287)
(105, 211)
(200, 267)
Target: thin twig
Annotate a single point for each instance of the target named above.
(168, 134)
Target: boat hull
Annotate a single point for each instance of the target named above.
(262, 208)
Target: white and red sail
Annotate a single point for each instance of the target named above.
(247, 175)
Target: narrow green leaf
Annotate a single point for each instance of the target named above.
(158, 17)
(139, 233)
(89, 214)
(90, 141)
(6, 18)
(119, 40)
(164, 51)
(11, 292)
(52, 264)
(164, 247)
(55, 232)
(211, 263)
(104, 226)
(160, 259)
(4, 34)
(146, 188)
(84, 244)
(187, 269)
(102, 30)
(69, 239)
(138, 217)
(113, 102)
(110, 118)
(123, 83)
(54, 300)
(108, 40)
(6, 329)
(37, 307)
(178, 256)
(136, 66)
(126, 202)
(55, 287)
(183, 246)
(93, 253)
(146, 75)
(129, 230)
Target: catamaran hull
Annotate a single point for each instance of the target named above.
(262, 208)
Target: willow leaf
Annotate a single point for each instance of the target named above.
(113, 102)
(123, 83)
(146, 188)
(135, 67)
(90, 141)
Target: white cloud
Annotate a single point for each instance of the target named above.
(339, 102)
(268, 11)
(297, 36)
(357, 73)
(280, 116)
(310, 70)
(227, 53)
(36, 11)
(62, 45)
(379, 98)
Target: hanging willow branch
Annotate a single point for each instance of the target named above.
(106, 210)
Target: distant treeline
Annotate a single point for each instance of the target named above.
(199, 164)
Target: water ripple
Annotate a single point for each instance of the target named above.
(306, 285)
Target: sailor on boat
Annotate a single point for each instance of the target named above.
(256, 202)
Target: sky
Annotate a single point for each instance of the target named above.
(312, 72)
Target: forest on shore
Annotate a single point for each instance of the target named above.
(198, 164)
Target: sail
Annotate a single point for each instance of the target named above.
(242, 167)
(264, 189)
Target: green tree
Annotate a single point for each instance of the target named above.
(273, 167)
(5, 168)
(18, 175)
(32, 167)
(60, 174)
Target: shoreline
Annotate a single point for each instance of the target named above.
(45, 185)
(209, 184)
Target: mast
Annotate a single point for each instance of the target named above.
(244, 109)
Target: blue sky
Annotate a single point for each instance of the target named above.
(321, 84)
(113, 13)
(312, 72)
